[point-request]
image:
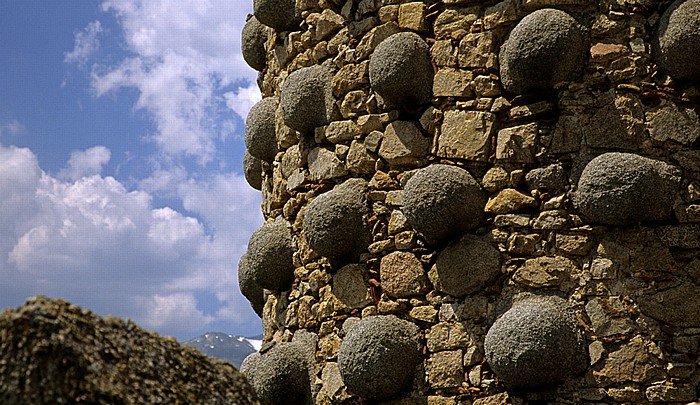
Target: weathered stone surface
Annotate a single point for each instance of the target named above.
(403, 144)
(350, 287)
(476, 51)
(359, 160)
(424, 313)
(260, 138)
(324, 164)
(465, 266)
(612, 186)
(618, 123)
(281, 374)
(466, 135)
(278, 14)
(455, 22)
(671, 123)
(402, 275)
(385, 340)
(248, 286)
(401, 72)
(445, 369)
(412, 16)
(253, 38)
(631, 362)
(545, 48)
(509, 200)
(335, 225)
(342, 131)
(350, 77)
(252, 170)
(678, 306)
(306, 98)
(551, 178)
(446, 336)
(546, 272)
(536, 342)
(671, 393)
(269, 256)
(517, 144)
(609, 317)
(374, 37)
(678, 40)
(442, 200)
(452, 83)
(325, 24)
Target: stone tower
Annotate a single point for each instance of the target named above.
(475, 202)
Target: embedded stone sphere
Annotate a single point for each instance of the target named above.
(678, 40)
(335, 223)
(306, 98)
(625, 189)
(545, 48)
(253, 38)
(248, 286)
(401, 71)
(252, 170)
(260, 138)
(280, 375)
(270, 256)
(378, 357)
(536, 342)
(443, 200)
(278, 14)
(465, 266)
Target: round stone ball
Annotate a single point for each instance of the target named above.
(677, 45)
(278, 14)
(252, 170)
(306, 98)
(442, 200)
(248, 286)
(536, 342)
(378, 357)
(335, 224)
(546, 47)
(401, 71)
(465, 266)
(260, 138)
(253, 38)
(280, 374)
(625, 189)
(270, 256)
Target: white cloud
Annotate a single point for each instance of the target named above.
(177, 311)
(86, 44)
(243, 99)
(12, 127)
(86, 163)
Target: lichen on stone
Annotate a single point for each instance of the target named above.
(252, 170)
(278, 14)
(378, 357)
(260, 138)
(269, 256)
(442, 200)
(335, 224)
(545, 48)
(401, 72)
(248, 286)
(536, 342)
(465, 266)
(306, 98)
(253, 38)
(678, 40)
(624, 189)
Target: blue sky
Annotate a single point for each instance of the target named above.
(121, 142)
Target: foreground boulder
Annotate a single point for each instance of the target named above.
(52, 352)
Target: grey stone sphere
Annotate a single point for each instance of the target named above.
(306, 98)
(270, 256)
(677, 44)
(252, 170)
(536, 342)
(378, 357)
(253, 38)
(280, 374)
(625, 189)
(248, 286)
(442, 200)
(546, 47)
(401, 71)
(278, 14)
(465, 266)
(260, 137)
(335, 224)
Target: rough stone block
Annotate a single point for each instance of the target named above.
(465, 135)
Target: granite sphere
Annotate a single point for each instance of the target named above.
(378, 357)
(270, 256)
(625, 189)
(248, 286)
(401, 71)
(280, 375)
(536, 342)
(260, 137)
(442, 200)
(465, 266)
(306, 98)
(335, 224)
(252, 170)
(278, 14)
(677, 44)
(546, 47)
(253, 38)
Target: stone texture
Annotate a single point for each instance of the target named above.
(278, 14)
(465, 135)
(546, 272)
(509, 200)
(324, 164)
(248, 286)
(403, 144)
(269, 256)
(442, 200)
(385, 340)
(678, 306)
(400, 70)
(445, 369)
(517, 144)
(350, 287)
(453, 83)
(253, 38)
(678, 40)
(402, 275)
(536, 342)
(260, 138)
(252, 170)
(306, 98)
(465, 266)
(545, 48)
(671, 123)
(446, 336)
(631, 362)
(551, 178)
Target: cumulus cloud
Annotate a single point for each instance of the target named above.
(243, 99)
(86, 163)
(87, 42)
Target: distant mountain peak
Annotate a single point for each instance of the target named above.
(225, 346)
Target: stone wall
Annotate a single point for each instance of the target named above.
(476, 202)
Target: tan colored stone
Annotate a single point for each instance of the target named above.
(350, 77)
(517, 144)
(452, 83)
(631, 362)
(546, 272)
(444, 54)
(350, 287)
(424, 313)
(341, 131)
(602, 54)
(445, 370)
(403, 144)
(402, 275)
(412, 16)
(447, 336)
(509, 200)
(373, 38)
(466, 135)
